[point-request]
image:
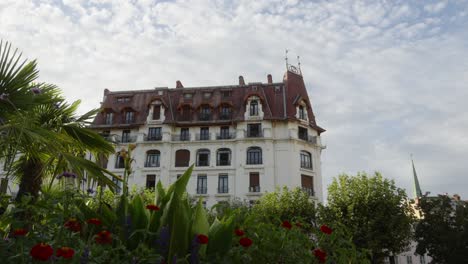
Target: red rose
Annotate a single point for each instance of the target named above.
(73, 225)
(94, 221)
(41, 252)
(320, 255)
(103, 237)
(65, 252)
(152, 207)
(325, 229)
(202, 239)
(245, 242)
(20, 232)
(239, 232)
(286, 225)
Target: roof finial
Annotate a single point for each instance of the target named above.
(286, 59)
(299, 64)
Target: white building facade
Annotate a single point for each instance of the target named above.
(244, 140)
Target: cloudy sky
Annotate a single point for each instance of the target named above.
(386, 78)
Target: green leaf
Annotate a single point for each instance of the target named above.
(200, 224)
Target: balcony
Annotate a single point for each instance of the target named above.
(127, 139)
(230, 135)
(204, 117)
(149, 164)
(181, 137)
(202, 190)
(309, 191)
(225, 116)
(254, 189)
(153, 138)
(202, 136)
(254, 134)
(223, 189)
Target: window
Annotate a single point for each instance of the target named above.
(187, 95)
(226, 94)
(179, 175)
(156, 112)
(119, 161)
(307, 183)
(202, 184)
(254, 130)
(186, 113)
(204, 133)
(223, 157)
(223, 186)
(225, 113)
(207, 95)
(254, 179)
(253, 108)
(150, 181)
(306, 160)
(109, 118)
(152, 158)
(126, 136)
(422, 260)
(154, 133)
(205, 113)
(184, 134)
(129, 117)
(203, 157)
(182, 158)
(302, 133)
(409, 259)
(254, 155)
(302, 113)
(123, 99)
(224, 133)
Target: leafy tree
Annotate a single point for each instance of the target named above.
(373, 209)
(442, 231)
(282, 204)
(40, 134)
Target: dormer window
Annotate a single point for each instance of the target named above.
(207, 95)
(129, 117)
(253, 108)
(205, 113)
(186, 113)
(109, 118)
(302, 113)
(187, 96)
(225, 112)
(226, 94)
(123, 99)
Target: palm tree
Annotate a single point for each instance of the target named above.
(40, 134)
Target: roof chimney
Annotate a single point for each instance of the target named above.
(241, 80)
(270, 79)
(106, 92)
(179, 84)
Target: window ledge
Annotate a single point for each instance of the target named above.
(254, 166)
(201, 195)
(254, 194)
(310, 170)
(222, 195)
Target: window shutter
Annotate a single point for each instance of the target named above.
(307, 181)
(254, 179)
(182, 158)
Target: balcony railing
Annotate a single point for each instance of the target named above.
(149, 164)
(202, 136)
(181, 137)
(230, 135)
(128, 139)
(224, 189)
(202, 190)
(254, 189)
(254, 134)
(309, 191)
(204, 117)
(312, 139)
(153, 138)
(224, 116)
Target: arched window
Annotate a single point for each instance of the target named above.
(119, 161)
(129, 116)
(254, 108)
(152, 158)
(186, 113)
(254, 155)
(223, 157)
(225, 112)
(203, 157)
(182, 158)
(205, 113)
(306, 160)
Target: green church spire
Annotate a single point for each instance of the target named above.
(417, 188)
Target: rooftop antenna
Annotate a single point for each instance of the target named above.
(286, 59)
